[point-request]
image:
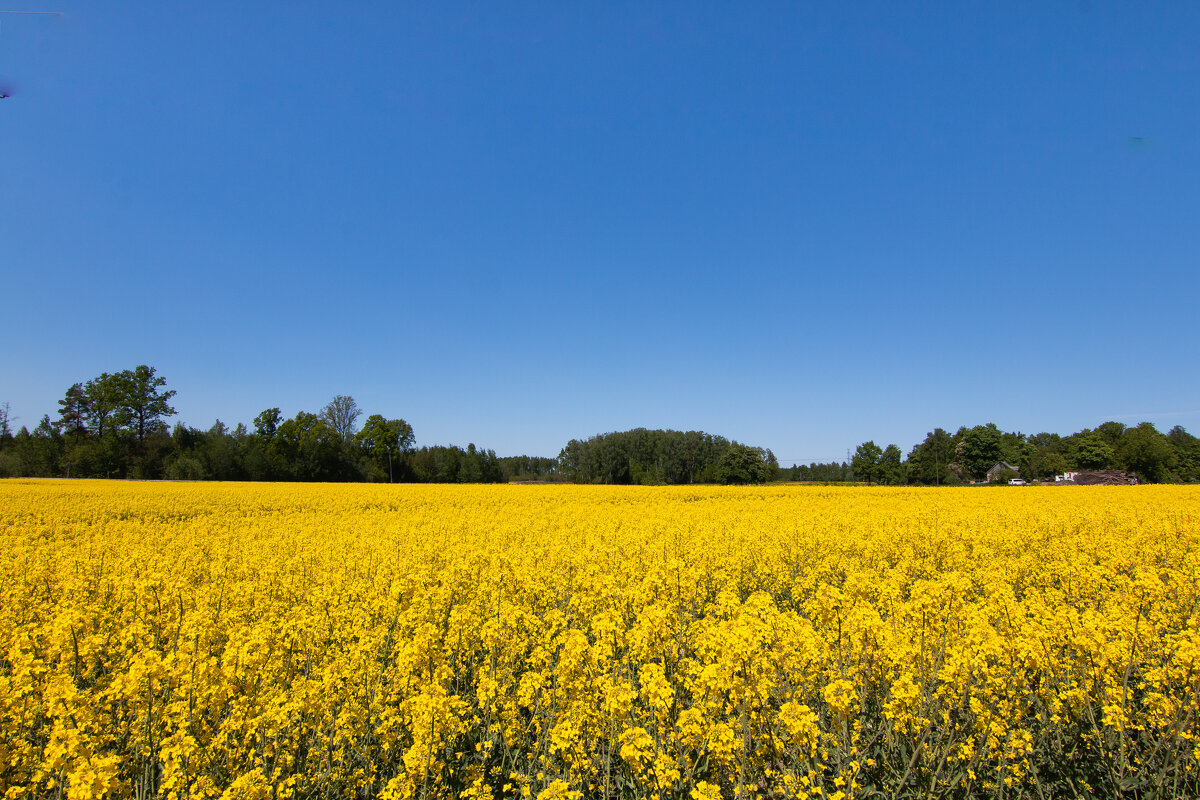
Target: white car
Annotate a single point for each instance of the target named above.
(1016, 482)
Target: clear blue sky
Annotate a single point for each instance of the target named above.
(799, 225)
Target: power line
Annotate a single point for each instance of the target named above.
(798, 461)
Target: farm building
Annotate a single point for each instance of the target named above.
(996, 473)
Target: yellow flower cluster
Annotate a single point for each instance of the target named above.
(295, 641)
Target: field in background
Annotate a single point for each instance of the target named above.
(273, 640)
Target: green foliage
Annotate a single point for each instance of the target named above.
(1112, 433)
(891, 466)
(383, 440)
(742, 464)
(979, 449)
(831, 472)
(530, 468)
(1148, 454)
(311, 449)
(452, 464)
(1013, 448)
(874, 464)
(114, 426)
(868, 462)
(1091, 450)
(141, 401)
(1003, 476)
(1046, 456)
(73, 411)
(929, 461)
(103, 403)
(1187, 454)
(662, 457)
(266, 423)
(185, 467)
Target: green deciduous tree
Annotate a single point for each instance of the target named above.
(1111, 432)
(891, 466)
(866, 462)
(980, 448)
(1091, 450)
(1148, 453)
(645, 456)
(310, 449)
(383, 440)
(102, 404)
(927, 462)
(1187, 454)
(1047, 455)
(742, 464)
(143, 401)
(266, 423)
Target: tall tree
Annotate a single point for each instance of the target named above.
(143, 401)
(1187, 454)
(866, 462)
(73, 411)
(5, 422)
(263, 461)
(310, 448)
(341, 413)
(266, 423)
(1091, 450)
(891, 467)
(102, 401)
(741, 463)
(1047, 456)
(1148, 453)
(980, 448)
(927, 462)
(1113, 433)
(383, 440)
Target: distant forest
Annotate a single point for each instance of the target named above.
(117, 426)
(949, 459)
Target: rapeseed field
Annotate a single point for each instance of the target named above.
(338, 641)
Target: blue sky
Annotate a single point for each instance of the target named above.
(799, 225)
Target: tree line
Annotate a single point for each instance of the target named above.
(117, 426)
(949, 459)
(657, 457)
